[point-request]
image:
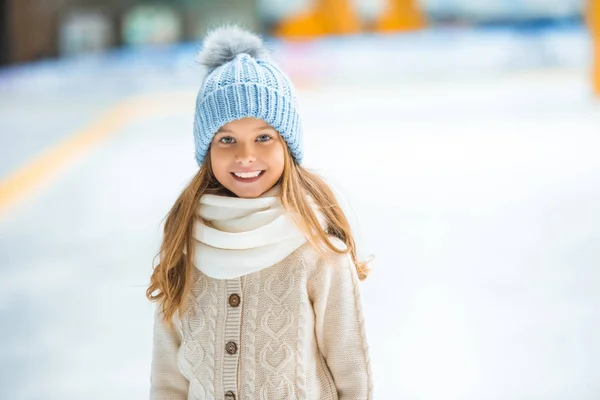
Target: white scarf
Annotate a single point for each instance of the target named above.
(242, 236)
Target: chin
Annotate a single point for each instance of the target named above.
(250, 192)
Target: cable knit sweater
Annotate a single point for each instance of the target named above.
(294, 330)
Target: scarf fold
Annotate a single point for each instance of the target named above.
(235, 236)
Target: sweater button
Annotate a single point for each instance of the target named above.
(234, 300)
(231, 348)
(229, 395)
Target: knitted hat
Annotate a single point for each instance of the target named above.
(241, 81)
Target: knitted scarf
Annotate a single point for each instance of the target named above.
(237, 236)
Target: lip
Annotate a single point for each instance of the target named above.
(247, 180)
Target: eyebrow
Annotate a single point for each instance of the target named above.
(260, 128)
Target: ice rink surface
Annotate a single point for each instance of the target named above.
(469, 167)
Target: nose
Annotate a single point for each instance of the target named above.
(245, 154)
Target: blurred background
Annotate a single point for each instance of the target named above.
(462, 137)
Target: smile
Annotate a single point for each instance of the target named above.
(247, 176)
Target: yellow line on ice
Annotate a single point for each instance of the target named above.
(43, 168)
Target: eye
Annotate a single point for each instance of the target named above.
(264, 138)
(227, 140)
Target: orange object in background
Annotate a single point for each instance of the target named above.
(401, 15)
(593, 22)
(328, 17)
(596, 67)
(307, 24)
(340, 16)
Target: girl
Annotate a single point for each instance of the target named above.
(258, 279)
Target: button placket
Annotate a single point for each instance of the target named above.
(232, 343)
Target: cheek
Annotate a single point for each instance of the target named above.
(217, 163)
(277, 158)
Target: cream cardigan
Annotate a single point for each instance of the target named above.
(294, 330)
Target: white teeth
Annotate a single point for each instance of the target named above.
(253, 174)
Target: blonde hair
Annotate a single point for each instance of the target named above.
(170, 281)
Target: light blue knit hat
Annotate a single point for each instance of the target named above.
(241, 81)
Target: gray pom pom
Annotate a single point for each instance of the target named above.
(225, 43)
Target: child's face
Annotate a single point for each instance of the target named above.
(249, 147)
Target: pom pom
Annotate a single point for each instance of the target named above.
(225, 43)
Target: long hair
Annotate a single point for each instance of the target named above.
(170, 281)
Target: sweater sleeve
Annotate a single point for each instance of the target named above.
(166, 381)
(340, 326)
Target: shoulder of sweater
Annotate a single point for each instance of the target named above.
(316, 262)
